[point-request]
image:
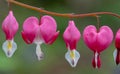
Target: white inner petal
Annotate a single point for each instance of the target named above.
(39, 53)
(96, 60)
(115, 54)
(72, 60)
(9, 47)
(38, 41)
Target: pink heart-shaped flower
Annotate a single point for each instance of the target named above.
(10, 27)
(97, 40)
(116, 53)
(39, 31)
(71, 37)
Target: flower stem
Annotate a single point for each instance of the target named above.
(69, 15)
(98, 22)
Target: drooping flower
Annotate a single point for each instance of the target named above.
(38, 32)
(97, 41)
(71, 37)
(116, 53)
(10, 27)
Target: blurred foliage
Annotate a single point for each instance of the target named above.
(24, 60)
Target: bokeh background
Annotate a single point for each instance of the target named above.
(24, 61)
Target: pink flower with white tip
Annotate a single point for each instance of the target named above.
(97, 41)
(38, 32)
(116, 53)
(10, 27)
(71, 37)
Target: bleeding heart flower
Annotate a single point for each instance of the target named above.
(38, 32)
(10, 27)
(71, 37)
(116, 53)
(97, 41)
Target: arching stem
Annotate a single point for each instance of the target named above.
(69, 15)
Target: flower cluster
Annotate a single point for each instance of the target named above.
(44, 31)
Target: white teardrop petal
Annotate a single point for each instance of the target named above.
(39, 53)
(96, 55)
(115, 54)
(72, 61)
(9, 47)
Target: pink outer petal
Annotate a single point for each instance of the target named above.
(71, 35)
(90, 37)
(97, 41)
(48, 29)
(117, 40)
(105, 37)
(30, 27)
(10, 26)
(27, 38)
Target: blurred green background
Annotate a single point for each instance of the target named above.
(24, 61)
